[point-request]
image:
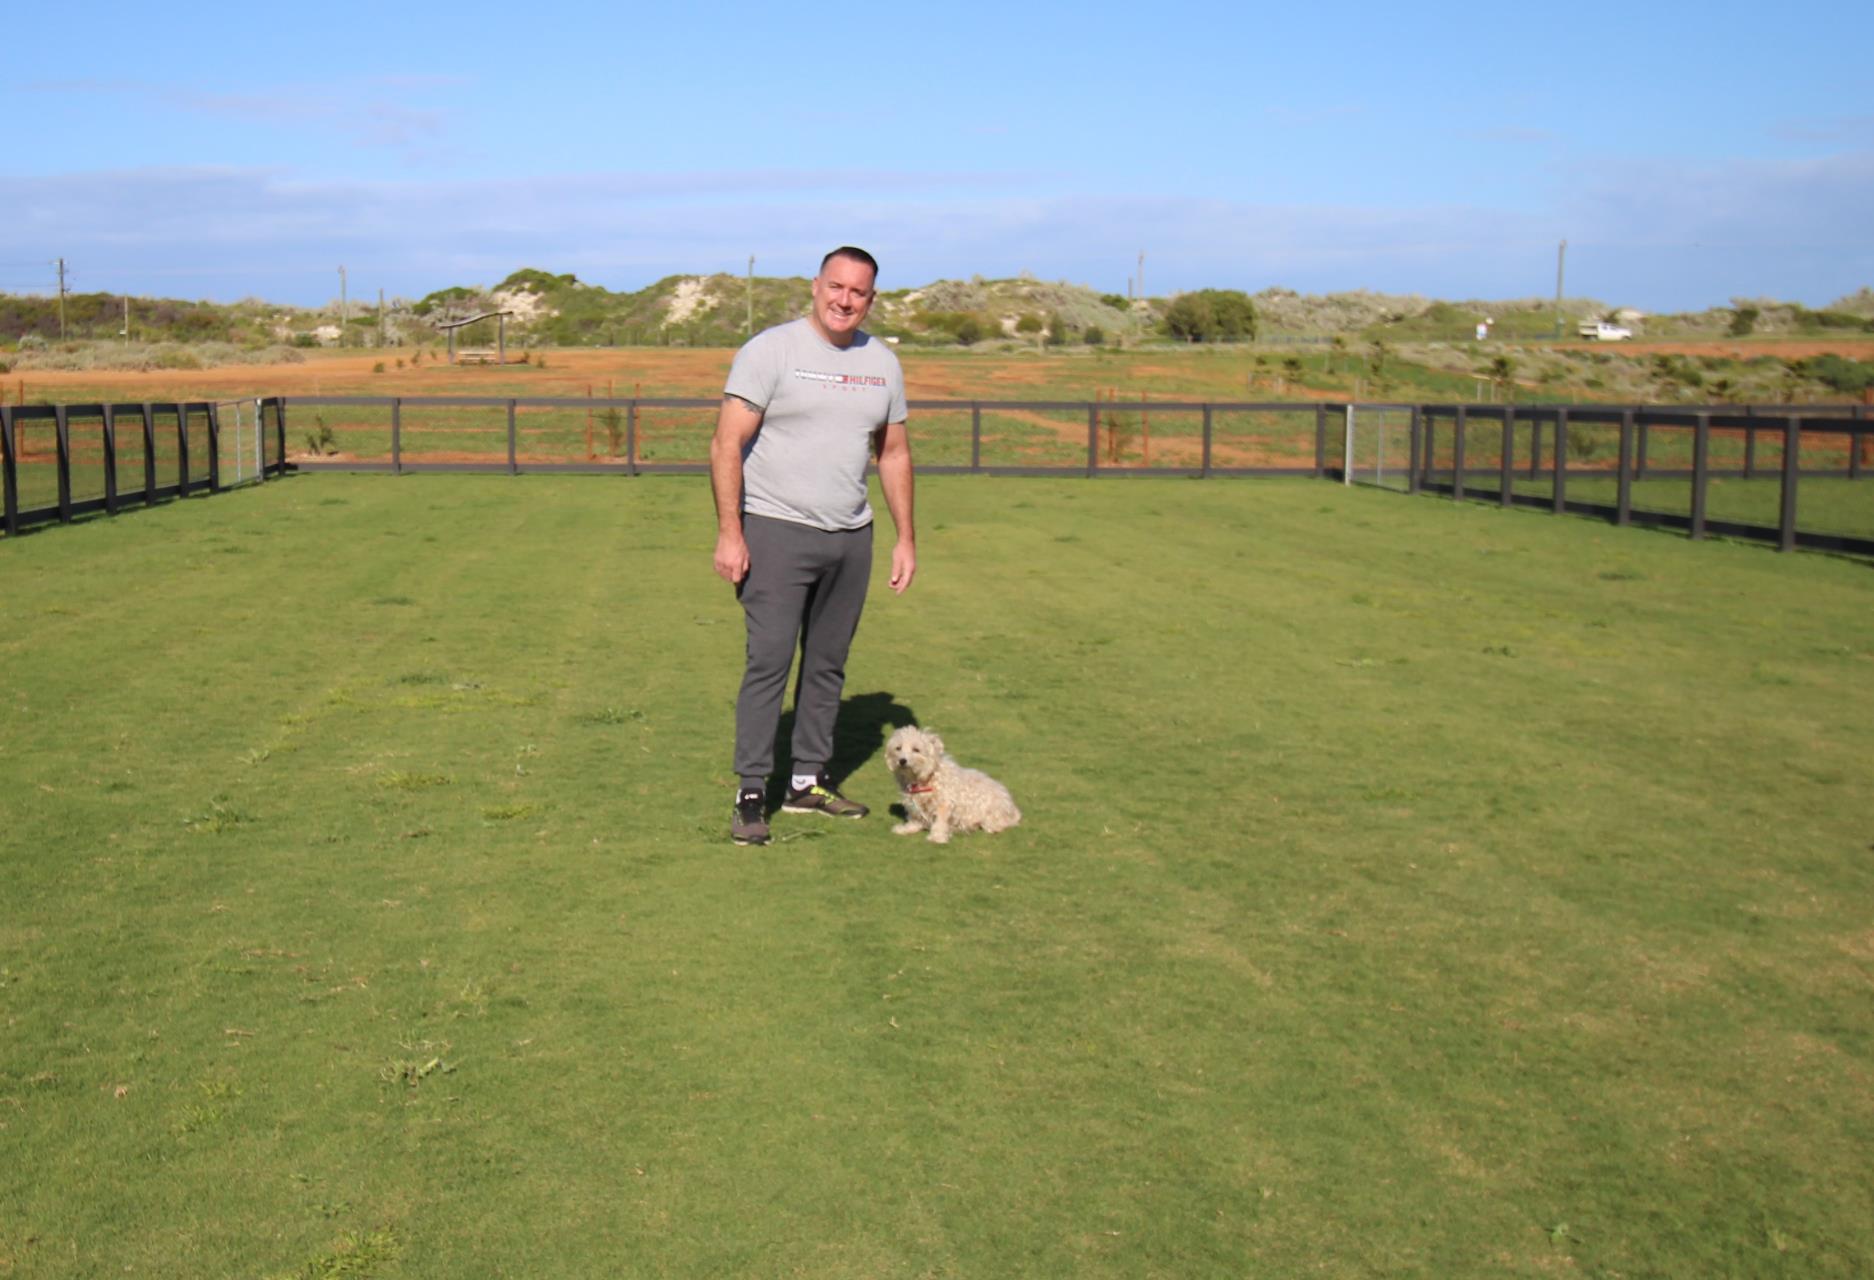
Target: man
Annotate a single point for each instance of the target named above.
(804, 405)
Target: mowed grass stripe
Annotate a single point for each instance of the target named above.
(1406, 886)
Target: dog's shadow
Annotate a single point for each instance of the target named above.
(865, 721)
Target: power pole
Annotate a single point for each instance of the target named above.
(751, 295)
(126, 334)
(1561, 254)
(61, 299)
(1141, 274)
(342, 307)
(380, 316)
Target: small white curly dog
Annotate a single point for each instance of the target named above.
(940, 795)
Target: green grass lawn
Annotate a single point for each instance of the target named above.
(1406, 888)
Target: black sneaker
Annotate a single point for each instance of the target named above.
(750, 824)
(821, 798)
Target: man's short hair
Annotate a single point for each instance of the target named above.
(851, 254)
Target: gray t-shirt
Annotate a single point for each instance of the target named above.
(820, 405)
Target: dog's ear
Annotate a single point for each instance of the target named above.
(936, 743)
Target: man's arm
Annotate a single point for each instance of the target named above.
(736, 424)
(892, 443)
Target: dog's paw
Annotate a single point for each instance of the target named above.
(940, 837)
(905, 828)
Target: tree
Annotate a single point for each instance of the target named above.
(1212, 315)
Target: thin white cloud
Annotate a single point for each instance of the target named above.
(1852, 131)
(363, 113)
(1639, 233)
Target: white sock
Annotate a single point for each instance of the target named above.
(804, 780)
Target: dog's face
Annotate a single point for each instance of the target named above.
(914, 753)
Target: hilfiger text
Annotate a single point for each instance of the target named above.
(841, 379)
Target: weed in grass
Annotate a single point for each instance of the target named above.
(611, 715)
(420, 1060)
(420, 677)
(355, 1255)
(393, 600)
(397, 780)
(507, 812)
(220, 817)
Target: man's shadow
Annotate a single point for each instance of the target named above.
(865, 721)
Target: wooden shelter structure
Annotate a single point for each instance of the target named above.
(498, 356)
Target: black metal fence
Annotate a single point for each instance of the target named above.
(64, 461)
(652, 435)
(1787, 475)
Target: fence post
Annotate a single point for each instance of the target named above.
(396, 435)
(61, 431)
(1506, 462)
(214, 448)
(279, 426)
(513, 467)
(1457, 452)
(1701, 472)
(1792, 465)
(1346, 449)
(1320, 441)
(182, 452)
(1428, 447)
(1750, 452)
(976, 436)
(631, 437)
(149, 453)
(1206, 470)
(1623, 510)
(1412, 435)
(9, 473)
(1093, 438)
(1535, 443)
(1639, 466)
(1856, 434)
(1560, 496)
(110, 459)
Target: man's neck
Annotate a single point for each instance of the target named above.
(833, 338)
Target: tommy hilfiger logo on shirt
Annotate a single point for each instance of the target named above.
(841, 379)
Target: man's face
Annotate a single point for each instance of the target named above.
(842, 295)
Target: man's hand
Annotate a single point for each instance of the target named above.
(903, 566)
(731, 556)
(736, 425)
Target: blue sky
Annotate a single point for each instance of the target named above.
(1689, 154)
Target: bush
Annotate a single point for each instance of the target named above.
(1116, 302)
(1212, 315)
(968, 329)
(1029, 323)
(1851, 377)
(31, 342)
(1093, 335)
(1743, 320)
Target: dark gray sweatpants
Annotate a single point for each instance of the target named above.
(805, 585)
